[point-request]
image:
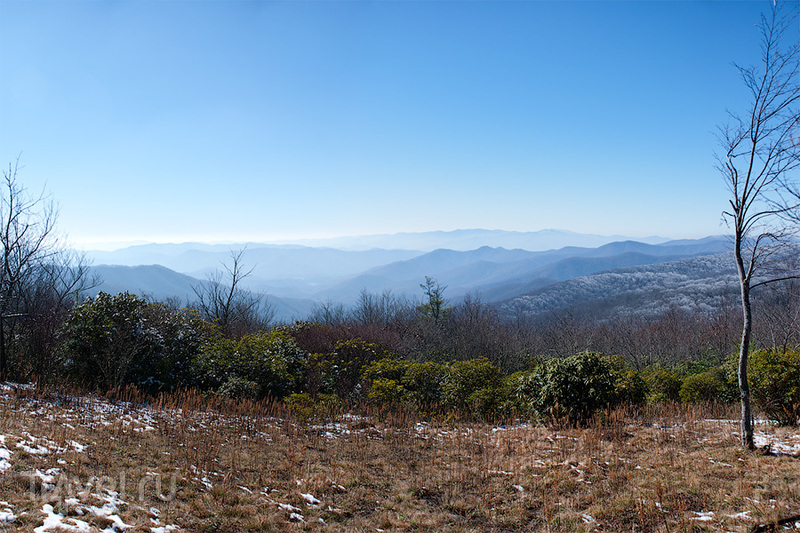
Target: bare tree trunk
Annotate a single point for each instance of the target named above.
(2, 350)
(744, 352)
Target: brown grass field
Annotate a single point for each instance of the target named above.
(185, 463)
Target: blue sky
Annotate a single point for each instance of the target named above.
(198, 120)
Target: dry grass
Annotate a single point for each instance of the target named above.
(245, 467)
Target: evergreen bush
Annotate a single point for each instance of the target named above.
(571, 389)
(272, 361)
(713, 385)
(774, 377)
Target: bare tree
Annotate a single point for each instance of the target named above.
(757, 160)
(383, 310)
(28, 241)
(329, 313)
(475, 329)
(223, 300)
(55, 286)
(779, 313)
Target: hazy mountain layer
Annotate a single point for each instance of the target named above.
(495, 272)
(266, 261)
(525, 281)
(471, 239)
(161, 283)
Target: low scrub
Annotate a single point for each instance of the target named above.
(774, 377)
(255, 366)
(112, 341)
(571, 388)
(711, 386)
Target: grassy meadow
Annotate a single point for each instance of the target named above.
(188, 463)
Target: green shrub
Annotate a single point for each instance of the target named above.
(387, 369)
(395, 380)
(386, 391)
(630, 385)
(476, 385)
(238, 387)
(304, 406)
(662, 386)
(631, 388)
(301, 404)
(520, 390)
(423, 383)
(385, 377)
(110, 341)
(774, 378)
(709, 386)
(340, 371)
(468, 383)
(270, 360)
(572, 388)
(181, 335)
(691, 367)
(488, 401)
(106, 338)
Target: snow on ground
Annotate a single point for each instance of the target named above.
(96, 412)
(79, 412)
(5, 457)
(780, 445)
(6, 513)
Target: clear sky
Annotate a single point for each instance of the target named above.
(203, 120)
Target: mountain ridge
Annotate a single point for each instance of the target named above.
(297, 277)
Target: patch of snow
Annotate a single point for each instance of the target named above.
(7, 516)
(118, 525)
(10, 385)
(5, 459)
(288, 507)
(55, 521)
(48, 479)
(777, 446)
(712, 461)
(310, 499)
(38, 450)
(703, 516)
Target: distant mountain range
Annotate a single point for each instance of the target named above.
(498, 274)
(471, 239)
(295, 277)
(267, 261)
